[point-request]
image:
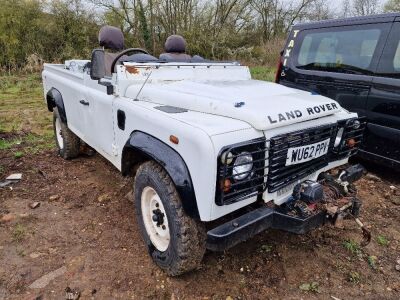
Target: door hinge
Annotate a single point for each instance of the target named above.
(114, 149)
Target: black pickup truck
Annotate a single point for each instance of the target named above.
(355, 61)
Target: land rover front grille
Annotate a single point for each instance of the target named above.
(275, 175)
(249, 187)
(279, 174)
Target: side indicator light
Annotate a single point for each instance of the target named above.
(351, 143)
(226, 185)
(174, 139)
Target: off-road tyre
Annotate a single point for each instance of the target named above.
(70, 145)
(187, 242)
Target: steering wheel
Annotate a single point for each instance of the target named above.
(125, 52)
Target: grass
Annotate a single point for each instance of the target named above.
(19, 233)
(310, 287)
(26, 125)
(263, 73)
(7, 144)
(354, 277)
(22, 106)
(372, 261)
(266, 248)
(382, 241)
(18, 154)
(352, 247)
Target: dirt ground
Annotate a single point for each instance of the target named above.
(85, 228)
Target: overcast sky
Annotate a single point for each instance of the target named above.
(337, 5)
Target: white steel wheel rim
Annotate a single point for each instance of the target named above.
(59, 137)
(158, 230)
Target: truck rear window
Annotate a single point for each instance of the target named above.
(337, 49)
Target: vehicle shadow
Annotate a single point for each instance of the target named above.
(388, 174)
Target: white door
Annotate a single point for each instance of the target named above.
(99, 129)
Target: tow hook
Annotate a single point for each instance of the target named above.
(341, 214)
(366, 233)
(341, 190)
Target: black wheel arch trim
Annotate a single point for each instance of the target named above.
(54, 98)
(145, 146)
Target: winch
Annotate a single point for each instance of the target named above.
(337, 197)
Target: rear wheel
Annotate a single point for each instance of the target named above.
(175, 241)
(67, 142)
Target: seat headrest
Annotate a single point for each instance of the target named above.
(175, 44)
(111, 37)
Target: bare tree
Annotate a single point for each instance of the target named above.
(275, 17)
(346, 9)
(392, 6)
(365, 7)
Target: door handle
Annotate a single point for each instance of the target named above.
(83, 102)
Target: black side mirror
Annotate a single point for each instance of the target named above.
(98, 69)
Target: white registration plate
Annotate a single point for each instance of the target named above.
(298, 155)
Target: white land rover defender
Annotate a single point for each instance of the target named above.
(205, 143)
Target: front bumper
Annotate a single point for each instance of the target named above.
(246, 226)
(339, 200)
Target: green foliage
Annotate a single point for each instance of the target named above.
(266, 248)
(263, 73)
(352, 246)
(354, 277)
(382, 241)
(392, 6)
(31, 32)
(144, 26)
(37, 31)
(310, 287)
(19, 233)
(372, 261)
(6, 144)
(20, 31)
(18, 154)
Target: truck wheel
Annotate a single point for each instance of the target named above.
(175, 241)
(67, 142)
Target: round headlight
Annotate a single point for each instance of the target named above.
(242, 166)
(226, 158)
(356, 124)
(339, 136)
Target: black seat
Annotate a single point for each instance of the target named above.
(175, 50)
(111, 38)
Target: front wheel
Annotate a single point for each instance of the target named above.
(175, 241)
(68, 143)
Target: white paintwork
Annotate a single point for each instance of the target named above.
(209, 93)
(159, 235)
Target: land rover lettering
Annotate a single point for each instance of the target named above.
(298, 114)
